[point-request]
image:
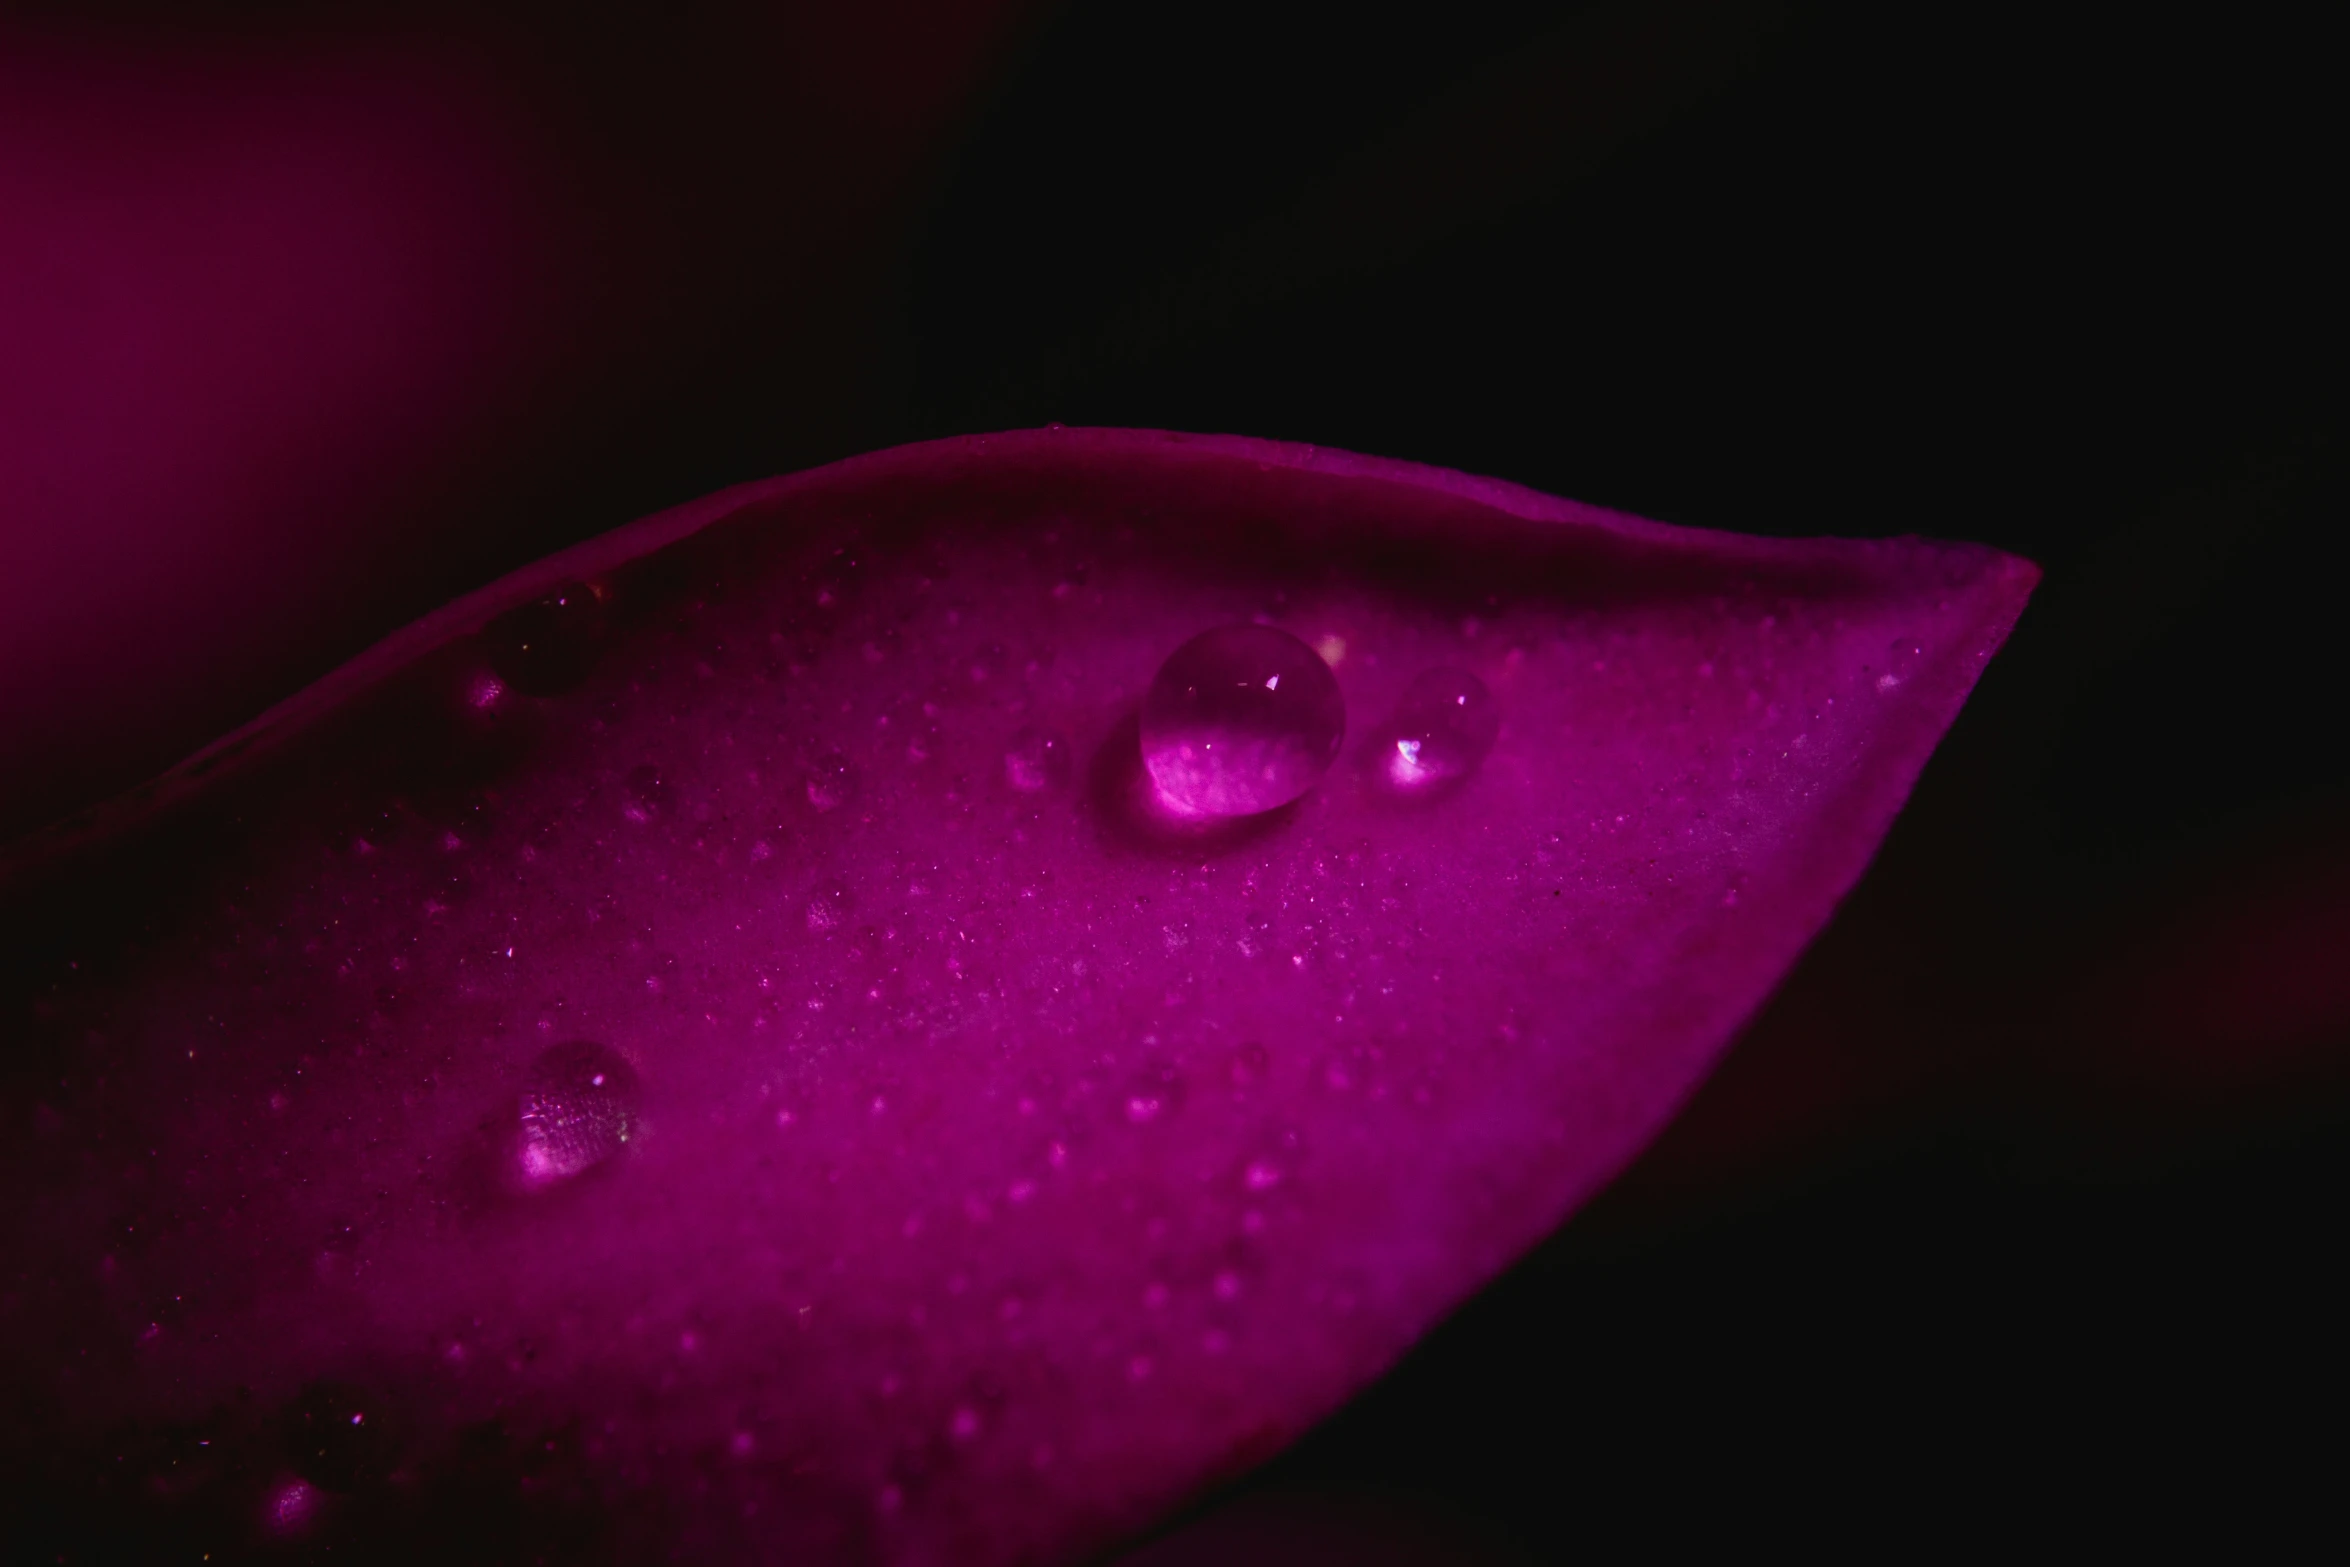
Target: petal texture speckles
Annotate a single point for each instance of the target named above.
(1000, 1163)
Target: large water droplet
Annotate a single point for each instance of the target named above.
(579, 1107)
(1240, 720)
(1442, 731)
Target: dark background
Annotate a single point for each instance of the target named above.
(2026, 1191)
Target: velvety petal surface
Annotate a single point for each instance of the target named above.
(705, 1046)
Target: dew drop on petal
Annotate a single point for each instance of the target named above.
(1901, 662)
(828, 906)
(831, 782)
(1035, 759)
(548, 646)
(339, 1437)
(1442, 731)
(648, 794)
(579, 1108)
(291, 1508)
(1240, 720)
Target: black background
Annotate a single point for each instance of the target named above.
(2046, 277)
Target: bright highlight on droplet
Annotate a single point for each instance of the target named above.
(1240, 720)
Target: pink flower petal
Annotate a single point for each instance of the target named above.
(667, 1037)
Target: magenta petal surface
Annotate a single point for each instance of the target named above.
(982, 1165)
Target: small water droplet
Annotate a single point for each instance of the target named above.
(831, 782)
(1901, 662)
(549, 646)
(579, 1107)
(1036, 759)
(291, 1508)
(828, 906)
(648, 795)
(1441, 733)
(1240, 720)
(339, 1437)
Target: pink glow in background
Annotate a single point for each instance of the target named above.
(256, 308)
(297, 320)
